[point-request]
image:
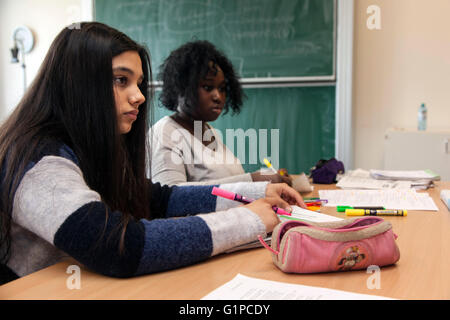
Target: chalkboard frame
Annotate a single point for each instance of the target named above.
(292, 81)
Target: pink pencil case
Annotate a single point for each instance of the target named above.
(351, 244)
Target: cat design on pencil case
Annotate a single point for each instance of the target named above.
(351, 244)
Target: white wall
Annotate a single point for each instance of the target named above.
(45, 18)
(397, 68)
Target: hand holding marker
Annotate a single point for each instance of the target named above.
(269, 165)
(237, 197)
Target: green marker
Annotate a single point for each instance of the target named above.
(343, 208)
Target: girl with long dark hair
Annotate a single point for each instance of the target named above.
(73, 171)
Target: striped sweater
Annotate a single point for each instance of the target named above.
(55, 214)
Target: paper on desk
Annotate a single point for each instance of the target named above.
(404, 174)
(361, 179)
(246, 288)
(308, 215)
(400, 199)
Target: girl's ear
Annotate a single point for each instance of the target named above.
(181, 101)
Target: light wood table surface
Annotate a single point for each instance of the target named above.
(423, 271)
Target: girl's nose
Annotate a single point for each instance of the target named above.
(137, 98)
(216, 95)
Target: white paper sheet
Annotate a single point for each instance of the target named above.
(246, 288)
(390, 199)
(308, 215)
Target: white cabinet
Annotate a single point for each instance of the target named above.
(418, 150)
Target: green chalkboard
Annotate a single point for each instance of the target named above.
(304, 116)
(265, 39)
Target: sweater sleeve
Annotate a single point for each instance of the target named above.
(246, 177)
(54, 202)
(167, 156)
(168, 167)
(173, 155)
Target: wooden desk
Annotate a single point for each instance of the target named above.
(423, 271)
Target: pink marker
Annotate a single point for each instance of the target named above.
(237, 197)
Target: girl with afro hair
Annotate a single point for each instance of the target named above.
(199, 84)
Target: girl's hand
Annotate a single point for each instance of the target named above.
(263, 208)
(285, 177)
(284, 196)
(273, 177)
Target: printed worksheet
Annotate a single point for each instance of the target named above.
(246, 288)
(400, 199)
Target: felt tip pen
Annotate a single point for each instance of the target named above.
(269, 165)
(315, 204)
(237, 197)
(343, 208)
(308, 200)
(369, 212)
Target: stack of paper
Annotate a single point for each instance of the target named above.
(419, 179)
(410, 175)
(383, 179)
(361, 179)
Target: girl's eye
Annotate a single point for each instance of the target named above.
(207, 88)
(120, 80)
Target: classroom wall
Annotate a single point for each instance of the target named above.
(397, 68)
(45, 18)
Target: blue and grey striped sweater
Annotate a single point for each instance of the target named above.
(55, 214)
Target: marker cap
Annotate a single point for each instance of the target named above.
(222, 193)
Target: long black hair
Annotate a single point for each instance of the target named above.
(72, 101)
(182, 70)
